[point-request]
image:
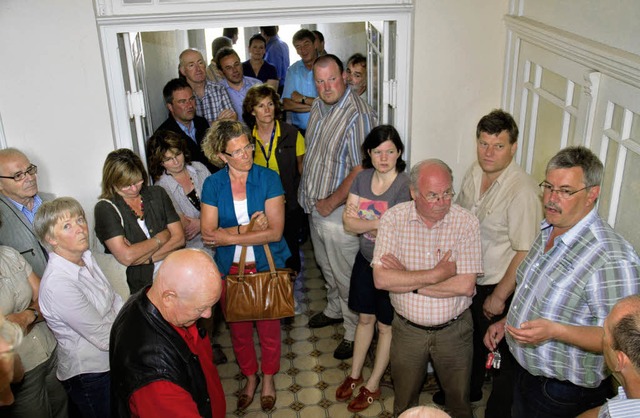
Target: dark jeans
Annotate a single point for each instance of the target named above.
(90, 393)
(501, 397)
(541, 397)
(292, 229)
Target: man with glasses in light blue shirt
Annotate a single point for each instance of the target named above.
(577, 269)
(19, 202)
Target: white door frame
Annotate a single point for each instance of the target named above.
(109, 27)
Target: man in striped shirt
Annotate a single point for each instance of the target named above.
(576, 270)
(338, 125)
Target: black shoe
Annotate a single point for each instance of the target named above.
(344, 350)
(218, 355)
(321, 320)
(438, 398)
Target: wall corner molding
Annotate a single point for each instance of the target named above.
(611, 61)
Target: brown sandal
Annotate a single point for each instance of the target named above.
(363, 400)
(345, 390)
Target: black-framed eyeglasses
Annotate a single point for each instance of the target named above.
(241, 151)
(32, 170)
(561, 193)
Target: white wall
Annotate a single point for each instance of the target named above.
(458, 59)
(613, 23)
(161, 52)
(54, 102)
(344, 39)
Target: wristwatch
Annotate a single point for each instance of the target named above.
(35, 313)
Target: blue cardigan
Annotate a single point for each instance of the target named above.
(262, 184)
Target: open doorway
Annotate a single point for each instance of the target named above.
(162, 48)
(127, 103)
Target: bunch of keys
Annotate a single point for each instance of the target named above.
(493, 360)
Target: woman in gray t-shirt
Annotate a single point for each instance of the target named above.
(380, 186)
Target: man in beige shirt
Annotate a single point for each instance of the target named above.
(507, 202)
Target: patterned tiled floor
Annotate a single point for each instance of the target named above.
(309, 375)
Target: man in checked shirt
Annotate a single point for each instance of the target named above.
(427, 255)
(576, 270)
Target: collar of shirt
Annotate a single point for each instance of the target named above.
(189, 334)
(228, 86)
(173, 183)
(251, 176)
(189, 130)
(210, 86)
(414, 217)
(325, 108)
(573, 234)
(70, 267)
(30, 214)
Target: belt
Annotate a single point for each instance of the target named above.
(431, 328)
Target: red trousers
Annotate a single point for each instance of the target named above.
(242, 341)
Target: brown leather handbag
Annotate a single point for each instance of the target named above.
(262, 295)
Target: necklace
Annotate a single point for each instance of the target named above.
(141, 216)
(192, 196)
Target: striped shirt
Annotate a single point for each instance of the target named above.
(620, 406)
(577, 282)
(214, 101)
(418, 247)
(333, 140)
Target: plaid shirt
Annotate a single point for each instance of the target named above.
(403, 234)
(214, 101)
(333, 141)
(577, 282)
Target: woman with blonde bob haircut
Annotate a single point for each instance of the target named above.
(79, 305)
(135, 222)
(231, 198)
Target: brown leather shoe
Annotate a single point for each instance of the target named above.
(267, 403)
(345, 390)
(363, 400)
(245, 400)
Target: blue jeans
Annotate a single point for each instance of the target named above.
(541, 397)
(91, 394)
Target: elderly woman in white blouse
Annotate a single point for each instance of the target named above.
(79, 305)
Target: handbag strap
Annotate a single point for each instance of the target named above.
(115, 208)
(95, 247)
(267, 251)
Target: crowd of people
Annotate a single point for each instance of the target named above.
(520, 280)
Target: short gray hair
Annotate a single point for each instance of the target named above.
(48, 215)
(582, 157)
